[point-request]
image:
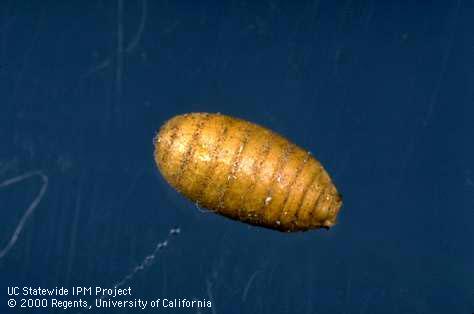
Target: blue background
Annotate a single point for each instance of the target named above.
(381, 93)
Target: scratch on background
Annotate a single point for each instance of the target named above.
(249, 284)
(72, 243)
(210, 295)
(141, 27)
(29, 210)
(119, 68)
(119, 53)
(444, 62)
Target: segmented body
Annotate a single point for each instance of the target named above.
(245, 172)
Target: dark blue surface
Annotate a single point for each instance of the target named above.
(381, 93)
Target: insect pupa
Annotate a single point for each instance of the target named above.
(245, 172)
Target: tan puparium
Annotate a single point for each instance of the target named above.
(245, 172)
